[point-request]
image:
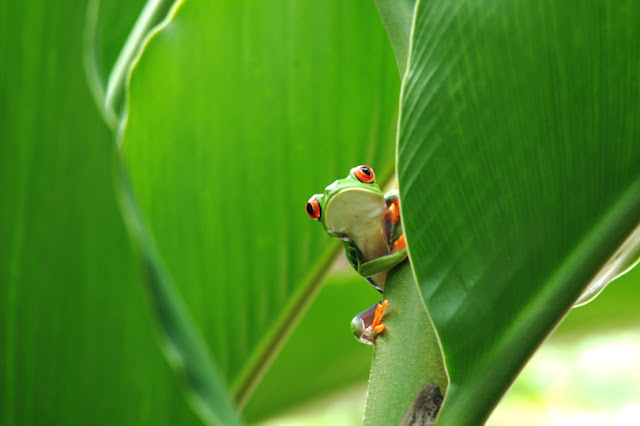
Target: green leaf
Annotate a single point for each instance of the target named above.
(77, 341)
(518, 171)
(238, 113)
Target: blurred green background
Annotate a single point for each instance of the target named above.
(238, 112)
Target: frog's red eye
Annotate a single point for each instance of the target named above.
(313, 208)
(364, 174)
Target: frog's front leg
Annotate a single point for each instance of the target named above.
(386, 262)
(367, 325)
(398, 252)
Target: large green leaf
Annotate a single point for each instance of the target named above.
(518, 169)
(77, 344)
(238, 113)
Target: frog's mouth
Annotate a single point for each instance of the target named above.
(354, 213)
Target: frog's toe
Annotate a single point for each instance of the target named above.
(399, 244)
(377, 319)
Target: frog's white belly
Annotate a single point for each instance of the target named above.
(358, 214)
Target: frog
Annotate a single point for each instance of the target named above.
(356, 211)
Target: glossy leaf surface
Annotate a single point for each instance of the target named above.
(518, 169)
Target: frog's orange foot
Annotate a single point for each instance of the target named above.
(394, 208)
(376, 326)
(399, 244)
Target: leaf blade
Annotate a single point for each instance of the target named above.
(494, 159)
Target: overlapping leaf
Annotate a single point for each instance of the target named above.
(518, 168)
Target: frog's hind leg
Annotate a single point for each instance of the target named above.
(367, 325)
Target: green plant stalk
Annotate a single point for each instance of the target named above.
(407, 356)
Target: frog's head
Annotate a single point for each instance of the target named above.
(348, 203)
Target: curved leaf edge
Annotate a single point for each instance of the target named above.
(397, 17)
(398, 50)
(626, 257)
(183, 346)
(112, 100)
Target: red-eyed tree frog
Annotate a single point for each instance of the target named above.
(355, 210)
